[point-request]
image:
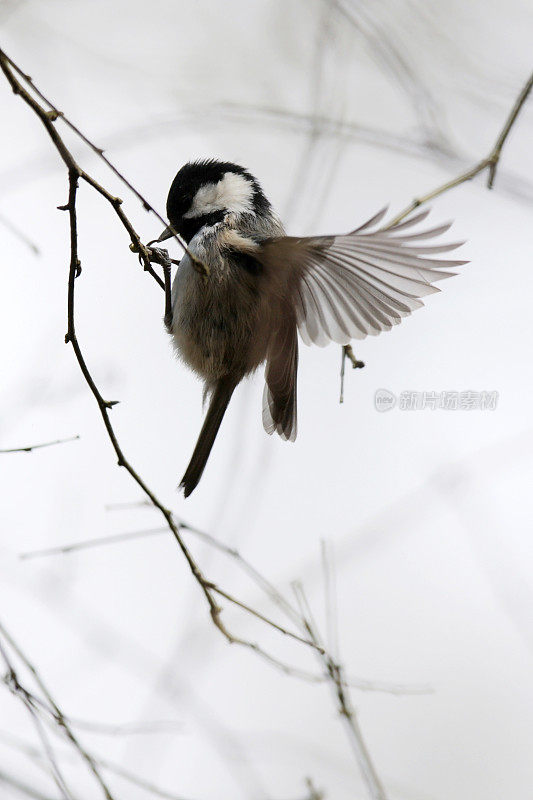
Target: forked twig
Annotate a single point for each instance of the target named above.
(48, 118)
(54, 709)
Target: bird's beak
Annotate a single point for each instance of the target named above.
(167, 234)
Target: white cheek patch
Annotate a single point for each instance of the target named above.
(234, 193)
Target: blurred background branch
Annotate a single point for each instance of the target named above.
(489, 163)
(30, 447)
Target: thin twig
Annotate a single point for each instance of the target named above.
(105, 405)
(338, 682)
(12, 682)
(31, 447)
(330, 600)
(22, 788)
(75, 173)
(127, 728)
(56, 712)
(98, 541)
(110, 766)
(48, 118)
(374, 785)
(54, 114)
(263, 583)
(515, 186)
(264, 619)
(490, 162)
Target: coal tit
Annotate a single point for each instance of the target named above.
(264, 288)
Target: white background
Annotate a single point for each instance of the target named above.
(338, 109)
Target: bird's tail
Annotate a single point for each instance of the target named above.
(217, 408)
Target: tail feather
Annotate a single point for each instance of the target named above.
(217, 408)
(279, 397)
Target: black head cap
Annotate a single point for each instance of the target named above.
(184, 209)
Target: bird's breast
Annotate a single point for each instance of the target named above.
(215, 321)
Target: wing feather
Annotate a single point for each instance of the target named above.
(372, 221)
(364, 282)
(410, 221)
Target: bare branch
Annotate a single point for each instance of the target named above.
(22, 788)
(110, 766)
(30, 447)
(338, 682)
(330, 599)
(98, 541)
(48, 118)
(490, 162)
(264, 619)
(128, 728)
(515, 185)
(12, 682)
(58, 715)
(263, 583)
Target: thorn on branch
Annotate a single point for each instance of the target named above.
(492, 163)
(63, 208)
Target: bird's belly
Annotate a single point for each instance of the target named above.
(213, 324)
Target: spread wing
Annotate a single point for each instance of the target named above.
(346, 287)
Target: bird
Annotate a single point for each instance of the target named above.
(260, 289)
